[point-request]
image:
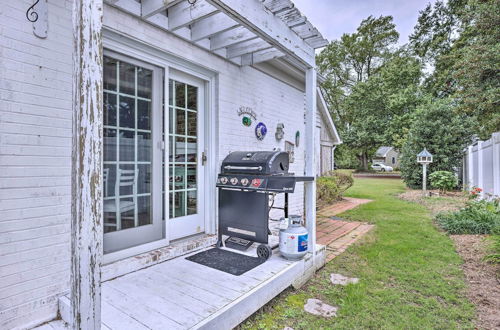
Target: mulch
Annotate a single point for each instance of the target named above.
(483, 279)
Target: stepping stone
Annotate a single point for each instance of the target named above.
(343, 280)
(287, 328)
(317, 307)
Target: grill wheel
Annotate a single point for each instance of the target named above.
(264, 251)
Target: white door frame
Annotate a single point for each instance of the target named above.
(119, 43)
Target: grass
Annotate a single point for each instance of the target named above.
(410, 276)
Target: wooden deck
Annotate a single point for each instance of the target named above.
(180, 294)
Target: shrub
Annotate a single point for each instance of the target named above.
(443, 180)
(331, 186)
(443, 132)
(478, 217)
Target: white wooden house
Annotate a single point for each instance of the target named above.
(114, 118)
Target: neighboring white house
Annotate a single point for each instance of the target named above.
(205, 64)
(387, 156)
(482, 166)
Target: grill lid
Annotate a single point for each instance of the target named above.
(256, 162)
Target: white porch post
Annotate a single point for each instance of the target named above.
(310, 187)
(86, 190)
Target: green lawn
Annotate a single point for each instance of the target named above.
(410, 275)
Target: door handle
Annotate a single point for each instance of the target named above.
(203, 158)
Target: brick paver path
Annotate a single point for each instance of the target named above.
(337, 235)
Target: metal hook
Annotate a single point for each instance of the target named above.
(33, 16)
(191, 2)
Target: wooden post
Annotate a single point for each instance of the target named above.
(424, 180)
(86, 190)
(310, 187)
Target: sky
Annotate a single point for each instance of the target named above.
(336, 17)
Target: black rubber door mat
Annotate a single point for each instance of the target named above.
(226, 261)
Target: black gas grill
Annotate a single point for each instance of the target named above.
(245, 183)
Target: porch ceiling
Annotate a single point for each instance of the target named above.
(245, 32)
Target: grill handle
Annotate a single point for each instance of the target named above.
(247, 168)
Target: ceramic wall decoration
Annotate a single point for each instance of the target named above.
(297, 138)
(246, 121)
(260, 131)
(280, 132)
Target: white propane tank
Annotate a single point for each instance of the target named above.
(293, 239)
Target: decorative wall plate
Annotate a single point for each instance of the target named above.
(260, 131)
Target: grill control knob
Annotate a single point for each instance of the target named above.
(223, 180)
(244, 182)
(234, 181)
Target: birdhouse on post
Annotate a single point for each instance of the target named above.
(424, 158)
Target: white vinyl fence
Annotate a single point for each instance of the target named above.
(482, 166)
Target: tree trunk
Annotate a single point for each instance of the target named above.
(86, 185)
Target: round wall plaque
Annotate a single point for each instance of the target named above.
(246, 121)
(297, 138)
(260, 131)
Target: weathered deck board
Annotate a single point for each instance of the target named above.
(180, 294)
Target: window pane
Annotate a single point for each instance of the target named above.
(171, 92)
(192, 97)
(109, 69)
(191, 150)
(127, 78)
(143, 147)
(109, 109)
(180, 95)
(179, 177)
(127, 180)
(180, 122)
(127, 211)
(127, 145)
(109, 144)
(179, 204)
(180, 149)
(171, 120)
(127, 112)
(191, 123)
(144, 115)
(109, 180)
(191, 176)
(144, 210)
(192, 202)
(144, 82)
(144, 179)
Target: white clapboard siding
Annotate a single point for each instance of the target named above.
(35, 146)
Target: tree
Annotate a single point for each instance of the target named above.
(477, 66)
(381, 108)
(440, 129)
(348, 62)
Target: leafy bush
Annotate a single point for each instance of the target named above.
(443, 180)
(331, 186)
(444, 133)
(478, 217)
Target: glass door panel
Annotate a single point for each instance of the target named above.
(185, 139)
(129, 166)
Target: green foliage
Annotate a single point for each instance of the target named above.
(478, 217)
(443, 132)
(443, 180)
(476, 66)
(459, 40)
(330, 187)
(347, 63)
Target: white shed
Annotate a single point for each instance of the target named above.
(329, 138)
(115, 116)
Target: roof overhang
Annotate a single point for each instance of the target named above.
(245, 32)
(323, 108)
